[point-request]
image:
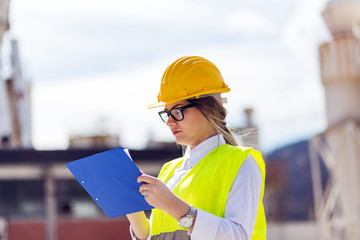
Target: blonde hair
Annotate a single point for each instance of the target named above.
(215, 113)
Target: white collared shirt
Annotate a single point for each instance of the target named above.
(242, 203)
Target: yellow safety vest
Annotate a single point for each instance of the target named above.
(206, 187)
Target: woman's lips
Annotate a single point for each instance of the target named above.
(175, 132)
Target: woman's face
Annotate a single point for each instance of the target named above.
(193, 129)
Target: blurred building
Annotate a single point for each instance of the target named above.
(15, 94)
(337, 208)
(329, 200)
(96, 141)
(289, 195)
(153, 144)
(41, 200)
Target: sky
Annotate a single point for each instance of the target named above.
(95, 66)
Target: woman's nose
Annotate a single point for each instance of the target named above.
(170, 121)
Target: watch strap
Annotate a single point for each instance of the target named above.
(191, 212)
(188, 220)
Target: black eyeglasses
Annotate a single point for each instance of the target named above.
(176, 113)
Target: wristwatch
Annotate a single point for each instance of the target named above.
(188, 220)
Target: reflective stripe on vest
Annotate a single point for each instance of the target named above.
(206, 187)
(177, 235)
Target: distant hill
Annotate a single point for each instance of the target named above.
(289, 190)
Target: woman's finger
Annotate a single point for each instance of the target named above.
(146, 179)
(144, 186)
(145, 193)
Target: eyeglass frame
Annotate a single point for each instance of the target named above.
(182, 108)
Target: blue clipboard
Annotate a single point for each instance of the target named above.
(110, 179)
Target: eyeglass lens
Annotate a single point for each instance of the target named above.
(176, 113)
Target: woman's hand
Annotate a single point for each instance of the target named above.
(139, 224)
(156, 193)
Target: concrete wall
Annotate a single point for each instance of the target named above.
(291, 231)
(72, 229)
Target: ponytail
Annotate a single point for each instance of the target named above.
(216, 113)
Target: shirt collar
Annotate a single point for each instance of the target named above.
(200, 151)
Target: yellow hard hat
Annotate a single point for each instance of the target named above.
(189, 77)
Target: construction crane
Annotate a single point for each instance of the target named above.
(5, 124)
(15, 93)
(4, 17)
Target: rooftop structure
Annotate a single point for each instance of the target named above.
(337, 210)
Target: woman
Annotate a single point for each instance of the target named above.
(215, 191)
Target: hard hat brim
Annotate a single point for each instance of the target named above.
(156, 105)
(197, 95)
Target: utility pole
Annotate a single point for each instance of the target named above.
(50, 204)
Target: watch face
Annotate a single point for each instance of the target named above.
(186, 222)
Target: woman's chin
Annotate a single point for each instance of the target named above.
(180, 141)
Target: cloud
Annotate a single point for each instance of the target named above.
(305, 30)
(286, 94)
(248, 22)
(76, 107)
(76, 38)
(96, 60)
